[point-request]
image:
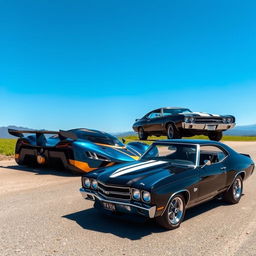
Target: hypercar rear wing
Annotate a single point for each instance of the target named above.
(62, 134)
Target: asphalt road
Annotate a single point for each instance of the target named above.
(43, 213)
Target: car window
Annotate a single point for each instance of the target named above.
(168, 112)
(154, 114)
(179, 154)
(212, 153)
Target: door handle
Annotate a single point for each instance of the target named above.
(223, 168)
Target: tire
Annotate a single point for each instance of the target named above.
(142, 135)
(173, 216)
(234, 193)
(216, 136)
(172, 132)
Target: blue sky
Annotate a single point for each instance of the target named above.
(101, 64)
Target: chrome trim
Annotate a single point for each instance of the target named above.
(197, 126)
(235, 178)
(112, 186)
(183, 190)
(151, 211)
(197, 155)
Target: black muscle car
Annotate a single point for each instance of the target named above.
(78, 150)
(181, 122)
(169, 178)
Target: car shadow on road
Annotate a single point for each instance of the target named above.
(40, 171)
(132, 229)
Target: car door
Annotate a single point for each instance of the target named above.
(213, 174)
(153, 121)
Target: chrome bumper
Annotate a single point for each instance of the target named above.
(150, 210)
(208, 127)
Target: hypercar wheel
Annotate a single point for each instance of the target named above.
(172, 132)
(217, 136)
(234, 193)
(142, 134)
(174, 213)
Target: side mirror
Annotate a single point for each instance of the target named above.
(123, 140)
(137, 119)
(207, 162)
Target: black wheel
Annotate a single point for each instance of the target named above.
(172, 132)
(142, 134)
(217, 136)
(234, 193)
(174, 213)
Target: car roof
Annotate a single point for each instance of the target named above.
(91, 132)
(190, 141)
(169, 108)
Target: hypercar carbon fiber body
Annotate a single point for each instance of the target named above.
(79, 150)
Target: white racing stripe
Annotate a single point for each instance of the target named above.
(133, 165)
(201, 114)
(135, 168)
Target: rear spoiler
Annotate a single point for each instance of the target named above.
(62, 134)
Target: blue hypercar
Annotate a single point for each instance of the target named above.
(79, 150)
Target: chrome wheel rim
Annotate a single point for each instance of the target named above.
(237, 188)
(170, 132)
(175, 210)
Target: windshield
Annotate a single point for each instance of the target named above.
(107, 140)
(167, 112)
(180, 154)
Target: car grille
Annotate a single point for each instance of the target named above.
(114, 192)
(208, 120)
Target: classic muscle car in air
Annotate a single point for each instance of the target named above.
(169, 178)
(79, 150)
(182, 122)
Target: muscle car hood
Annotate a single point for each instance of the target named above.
(201, 114)
(140, 173)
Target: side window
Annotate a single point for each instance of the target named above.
(154, 114)
(212, 153)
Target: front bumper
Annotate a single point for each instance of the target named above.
(125, 207)
(208, 127)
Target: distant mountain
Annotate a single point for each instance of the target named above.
(4, 131)
(124, 134)
(242, 130)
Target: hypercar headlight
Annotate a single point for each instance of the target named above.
(96, 156)
(136, 194)
(87, 183)
(146, 196)
(94, 184)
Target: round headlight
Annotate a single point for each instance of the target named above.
(192, 119)
(136, 194)
(186, 119)
(224, 120)
(94, 184)
(229, 120)
(87, 183)
(146, 196)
